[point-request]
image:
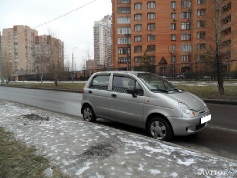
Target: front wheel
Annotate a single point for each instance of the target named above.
(88, 114)
(160, 129)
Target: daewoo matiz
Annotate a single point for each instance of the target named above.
(143, 100)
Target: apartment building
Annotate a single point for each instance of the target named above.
(18, 48)
(173, 35)
(24, 50)
(48, 51)
(103, 42)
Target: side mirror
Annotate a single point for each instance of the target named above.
(132, 90)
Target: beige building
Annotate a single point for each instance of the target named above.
(18, 48)
(24, 50)
(48, 51)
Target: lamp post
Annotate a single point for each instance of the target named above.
(72, 62)
(73, 58)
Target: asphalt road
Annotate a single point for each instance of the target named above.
(218, 138)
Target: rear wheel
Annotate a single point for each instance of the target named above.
(88, 114)
(159, 128)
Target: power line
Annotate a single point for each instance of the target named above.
(61, 16)
(66, 14)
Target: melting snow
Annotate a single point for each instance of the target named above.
(83, 149)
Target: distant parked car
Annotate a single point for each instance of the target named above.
(143, 100)
(180, 76)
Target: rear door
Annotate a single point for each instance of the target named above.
(123, 106)
(98, 94)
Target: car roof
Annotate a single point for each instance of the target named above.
(120, 72)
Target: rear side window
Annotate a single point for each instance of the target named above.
(100, 82)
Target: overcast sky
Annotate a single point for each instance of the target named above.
(74, 29)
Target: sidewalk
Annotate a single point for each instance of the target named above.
(83, 149)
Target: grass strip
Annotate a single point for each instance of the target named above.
(17, 160)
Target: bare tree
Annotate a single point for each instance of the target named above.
(56, 60)
(146, 61)
(42, 57)
(219, 49)
(6, 68)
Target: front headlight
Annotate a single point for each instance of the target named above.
(185, 110)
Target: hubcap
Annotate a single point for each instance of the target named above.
(158, 130)
(87, 114)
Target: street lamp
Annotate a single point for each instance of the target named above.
(73, 57)
(72, 62)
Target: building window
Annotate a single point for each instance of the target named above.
(137, 27)
(151, 37)
(123, 50)
(185, 58)
(201, 35)
(138, 38)
(201, 23)
(173, 15)
(123, 60)
(151, 59)
(124, 1)
(185, 37)
(186, 25)
(186, 15)
(151, 26)
(186, 47)
(137, 49)
(137, 59)
(151, 5)
(151, 48)
(173, 59)
(201, 12)
(199, 2)
(185, 3)
(173, 4)
(201, 46)
(173, 26)
(124, 10)
(123, 40)
(138, 6)
(173, 37)
(151, 16)
(138, 17)
(123, 20)
(124, 30)
(173, 47)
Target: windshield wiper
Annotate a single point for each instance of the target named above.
(176, 89)
(161, 90)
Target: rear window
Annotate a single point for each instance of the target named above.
(100, 82)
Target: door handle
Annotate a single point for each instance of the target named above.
(114, 95)
(90, 91)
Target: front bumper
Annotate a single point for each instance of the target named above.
(188, 126)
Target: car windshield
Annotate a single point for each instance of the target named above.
(156, 83)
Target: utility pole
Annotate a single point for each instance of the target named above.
(1, 72)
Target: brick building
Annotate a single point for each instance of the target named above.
(173, 35)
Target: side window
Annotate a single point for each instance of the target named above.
(100, 82)
(121, 84)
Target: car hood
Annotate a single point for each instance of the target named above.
(192, 101)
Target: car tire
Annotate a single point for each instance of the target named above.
(88, 114)
(159, 128)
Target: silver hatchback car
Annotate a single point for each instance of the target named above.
(144, 100)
